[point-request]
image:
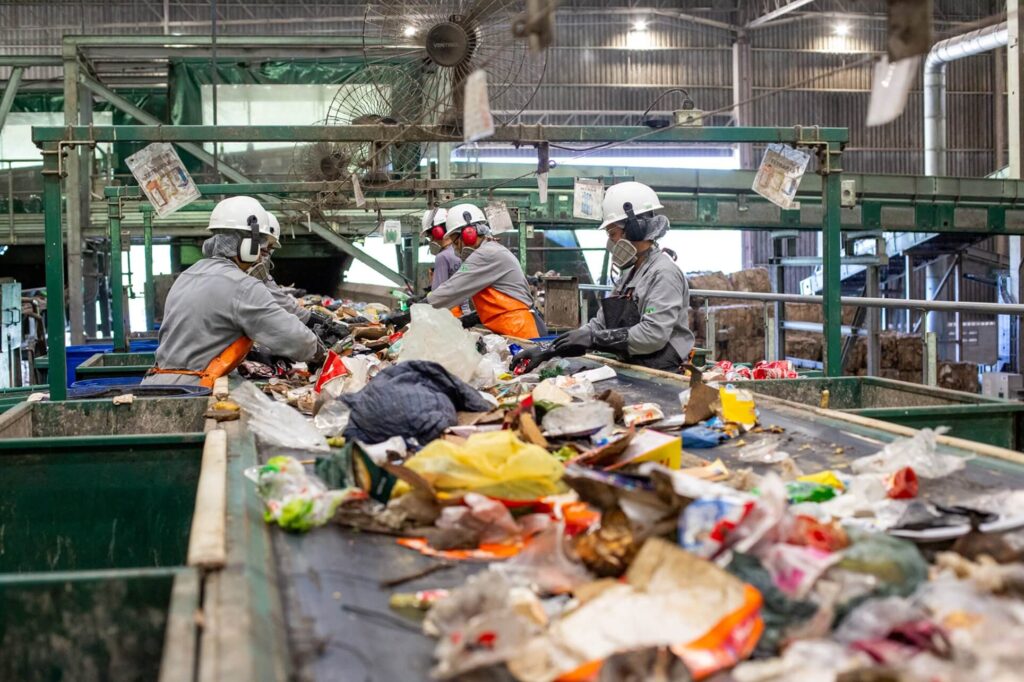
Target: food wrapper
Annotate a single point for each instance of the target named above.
(641, 413)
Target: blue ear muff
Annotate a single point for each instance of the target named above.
(635, 228)
(249, 248)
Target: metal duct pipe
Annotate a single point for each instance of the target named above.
(965, 45)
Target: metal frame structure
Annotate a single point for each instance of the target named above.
(57, 142)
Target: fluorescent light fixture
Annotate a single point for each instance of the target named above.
(841, 29)
(640, 25)
(409, 31)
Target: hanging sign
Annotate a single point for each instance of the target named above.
(392, 231)
(889, 89)
(357, 192)
(587, 196)
(498, 217)
(162, 177)
(779, 175)
(542, 187)
(477, 122)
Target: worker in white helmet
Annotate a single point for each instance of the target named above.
(490, 275)
(215, 311)
(446, 261)
(328, 329)
(644, 320)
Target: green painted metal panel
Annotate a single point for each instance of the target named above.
(105, 625)
(969, 416)
(102, 508)
(144, 417)
(109, 365)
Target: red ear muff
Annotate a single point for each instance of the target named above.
(437, 232)
(470, 236)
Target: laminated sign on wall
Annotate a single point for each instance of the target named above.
(779, 175)
(498, 217)
(392, 231)
(162, 176)
(587, 196)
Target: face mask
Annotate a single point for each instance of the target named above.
(466, 252)
(623, 253)
(261, 269)
(434, 248)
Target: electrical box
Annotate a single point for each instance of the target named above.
(848, 194)
(1002, 385)
(689, 117)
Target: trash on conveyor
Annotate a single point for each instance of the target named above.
(629, 536)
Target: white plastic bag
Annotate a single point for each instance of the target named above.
(917, 452)
(437, 336)
(276, 424)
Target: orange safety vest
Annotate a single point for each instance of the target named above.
(230, 358)
(503, 314)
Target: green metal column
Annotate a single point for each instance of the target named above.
(116, 276)
(54, 253)
(149, 290)
(522, 246)
(831, 264)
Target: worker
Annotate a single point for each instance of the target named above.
(644, 320)
(215, 310)
(446, 261)
(490, 275)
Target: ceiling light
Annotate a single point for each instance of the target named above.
(842, 29)
(640, 25)
(409, 31)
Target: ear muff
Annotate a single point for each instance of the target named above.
(635, 228)
(437, 232)
(470, 236)
(249, 248)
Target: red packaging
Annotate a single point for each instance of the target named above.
(333, 367)
(902, 485)
(809, 532)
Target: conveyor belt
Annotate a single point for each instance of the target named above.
(330, 570)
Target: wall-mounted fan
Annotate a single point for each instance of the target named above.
(449, 40)
(380, 94)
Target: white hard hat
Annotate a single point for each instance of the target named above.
(642, 198)
(233, 214)
(461, 216)
(273, 229)
(433, 217)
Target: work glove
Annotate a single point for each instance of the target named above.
(327, 329)
(471, 320)
(528, 359)
(611, 340)
(317, 361)
(573, 344)
(399, 319)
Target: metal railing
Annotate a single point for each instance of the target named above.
(929, 339)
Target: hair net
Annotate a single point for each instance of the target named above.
(657, 227)
(225, 243)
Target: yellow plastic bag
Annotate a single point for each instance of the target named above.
(496, 464)
(827, 477)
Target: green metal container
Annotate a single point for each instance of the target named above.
(969, 416)
(112, 365)
(10, 397)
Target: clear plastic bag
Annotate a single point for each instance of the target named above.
(545, 564)
(332, 418)
(490, 367)
(495, 343)
(276, 424)
(875, 618)
(578, 419)
(436, 335)
(293, 499)
(917, 452)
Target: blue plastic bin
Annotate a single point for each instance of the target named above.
(76, 355)
(109, 387)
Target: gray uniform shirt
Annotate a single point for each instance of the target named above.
(286, 300)
(209, 306)
(491, 265)
(662, 295)
(446, 264)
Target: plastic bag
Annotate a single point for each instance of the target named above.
(488, 371)
(482, 516)
(495, 343)
(578, 419)
(876, 618)
(545, 564)
(917, 452)
(897, 564)
(332, 418)
(435, 334)
(794, 569)
(276, 424)
(496, 464)
(293, 499)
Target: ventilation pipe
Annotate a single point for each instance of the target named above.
(949, 50)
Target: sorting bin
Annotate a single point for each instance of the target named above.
(93, 582)
(969, 416)
(76, 355)
(115, 365)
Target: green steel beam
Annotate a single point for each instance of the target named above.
(243, 186)
(12, 89)
(30, 60)
(116, 278)
(254, 42)
(149, 290)
(818, 137)
(832, 266)
(54, 251)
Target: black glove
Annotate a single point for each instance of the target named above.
(527, 359)
(573, 344)
(317, 361)
(612, 340)
(327, 329)
(470, 320)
